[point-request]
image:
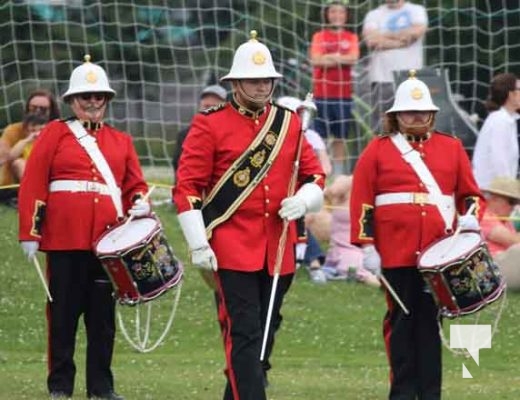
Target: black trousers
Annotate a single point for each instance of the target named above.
(79, 286)
(412, 341)
(243, 300)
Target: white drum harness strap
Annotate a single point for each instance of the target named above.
(88, 142)
(445, 203)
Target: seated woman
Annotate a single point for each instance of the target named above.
(40, 102)
(503, 241)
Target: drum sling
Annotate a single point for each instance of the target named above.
(244, 175)
(88, 142)
(445, 204)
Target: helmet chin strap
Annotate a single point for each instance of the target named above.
(417, 128)
(254, 103)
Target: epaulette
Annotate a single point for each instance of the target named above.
(282, 107)
(215, 108)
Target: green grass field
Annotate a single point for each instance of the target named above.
(329, 347)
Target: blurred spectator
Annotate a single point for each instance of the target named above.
(333, 51)
(40, 102)
(496, 151)
(32, 125)
(394, 34)
(344, 260)
(209, 96)
(503, 242)
(501, 195)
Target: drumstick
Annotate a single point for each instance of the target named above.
(131, 217)
(457, 231)
(394, 294)
(40, 274)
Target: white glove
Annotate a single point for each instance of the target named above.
(141, 208)
(30, 247)
(468, 222)
(371, 258)
(301, 248)
(204, 258)
(308, 199)
(192, 225)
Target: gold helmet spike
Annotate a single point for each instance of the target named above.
(412, 74)
(87, 58)
(253, 35)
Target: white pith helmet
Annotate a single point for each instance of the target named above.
(88, 78)
(412, 95)
(252, 60)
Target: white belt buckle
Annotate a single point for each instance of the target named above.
(420, 198)
(92, 187)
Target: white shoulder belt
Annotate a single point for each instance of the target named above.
(444, 203)
(88, 142)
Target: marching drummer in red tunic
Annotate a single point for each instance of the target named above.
(232, 187)
(408, 186)
(82, 175)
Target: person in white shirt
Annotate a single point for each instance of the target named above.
(496, 152)
(394, 33)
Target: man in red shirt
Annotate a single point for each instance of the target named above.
(396, 212)
(232, 189)
(65, 204)
(332, 53)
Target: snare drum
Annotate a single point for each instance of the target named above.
(138, 260)
(461, 274)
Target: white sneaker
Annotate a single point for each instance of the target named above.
(317, 275)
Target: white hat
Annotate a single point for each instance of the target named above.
(412, 95)
(88, 78)
(252, 60)
(504, 186)
(216, 90)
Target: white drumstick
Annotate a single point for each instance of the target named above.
(457, 231)
(42, 278)
(131, 217)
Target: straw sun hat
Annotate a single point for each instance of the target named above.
(507, 187)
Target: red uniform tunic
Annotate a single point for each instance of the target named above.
(401, 231)
(250, 236)
(74, 220)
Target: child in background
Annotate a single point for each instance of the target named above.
(343, 259)
(19, 153)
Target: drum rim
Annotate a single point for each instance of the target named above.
(427, 248)
(124, 251)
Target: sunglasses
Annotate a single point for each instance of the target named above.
(95, 96)
(38, 109)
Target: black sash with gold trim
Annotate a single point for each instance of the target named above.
(247, 171)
